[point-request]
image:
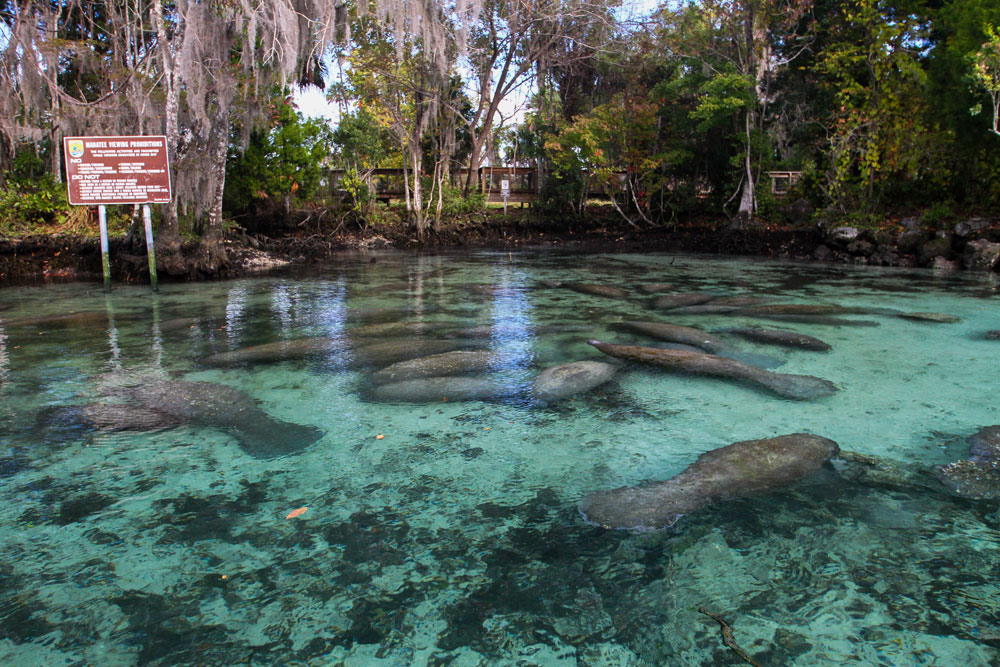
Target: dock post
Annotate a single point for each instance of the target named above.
(147, 220)
(102, 219)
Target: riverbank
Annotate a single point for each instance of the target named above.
(972, 243)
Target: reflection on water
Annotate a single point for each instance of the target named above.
(448, 531)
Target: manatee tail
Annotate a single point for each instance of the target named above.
(270, 438)
(798, 387)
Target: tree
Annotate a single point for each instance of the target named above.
(985, 75)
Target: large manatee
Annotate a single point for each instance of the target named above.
(593, 289)
(438, 389)
(671, 301)
(741, 469)
(153, 403)
(978, 476)
(391, 351)
(279, 350)
(575, 377)
(456, 362)
(780, 337)
(675, 333)
(801, 387)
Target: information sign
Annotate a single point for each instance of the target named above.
(117, 170)
(504, 188)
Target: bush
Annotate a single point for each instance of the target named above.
(28, 203)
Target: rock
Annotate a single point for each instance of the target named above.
(573, 378)
(939, 246)
(981, 255)
(799, 387)
(911, 224)
(942, 264)
(911, 240)
(969, 228)
(843, 235)
(822, 253)
(747, 468)
(860, 247)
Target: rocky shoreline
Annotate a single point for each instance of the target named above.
(973, 244)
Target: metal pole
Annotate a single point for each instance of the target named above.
(102, 219)
(147, 219)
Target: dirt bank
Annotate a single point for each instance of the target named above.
(971, 244)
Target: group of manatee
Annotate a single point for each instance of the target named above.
(431, 361)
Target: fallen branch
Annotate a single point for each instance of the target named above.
(727, 637)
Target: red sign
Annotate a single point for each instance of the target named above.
(117, 170)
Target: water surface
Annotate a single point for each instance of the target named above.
(454, 539)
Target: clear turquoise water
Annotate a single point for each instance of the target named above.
(455, 539)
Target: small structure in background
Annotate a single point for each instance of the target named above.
(783, 181)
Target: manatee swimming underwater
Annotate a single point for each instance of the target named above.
(780, 337)
(671, 301)
(438, 389)
(592, 289)
(977, 477)
(153, 403)
(800, 387)
(741, 469)
(573, 378)
(456, 362)
(675, 333)
(279, 350)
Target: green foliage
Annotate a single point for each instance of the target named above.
(360, 142)
(31, 197)
(284, 163)
(938, 215)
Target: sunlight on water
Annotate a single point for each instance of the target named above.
(151, 447)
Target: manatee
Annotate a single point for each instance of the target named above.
(593, 289)
(704, 309)
(977, 477)
(670, 301)
(675, 333)
(741, 301)
(82, 318)
(824, 320)
(512, 332)
(575, 377)
(438, 389)
(177, 323)
(391, 351)
(747, 468)
(388, 329)
(992, 335)
(940, 318)
(456, 362)
(153, 403)
(800, 387)
(780, 337)
(794, 309)
(279, 350)
(655, 288)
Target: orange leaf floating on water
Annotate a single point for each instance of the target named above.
(380, 437)
(294, 513)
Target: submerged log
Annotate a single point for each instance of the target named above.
(746, 468)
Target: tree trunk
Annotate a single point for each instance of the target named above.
(168, 242)
(416, 156)
(212, 258)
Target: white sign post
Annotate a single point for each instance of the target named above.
(505, 193)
